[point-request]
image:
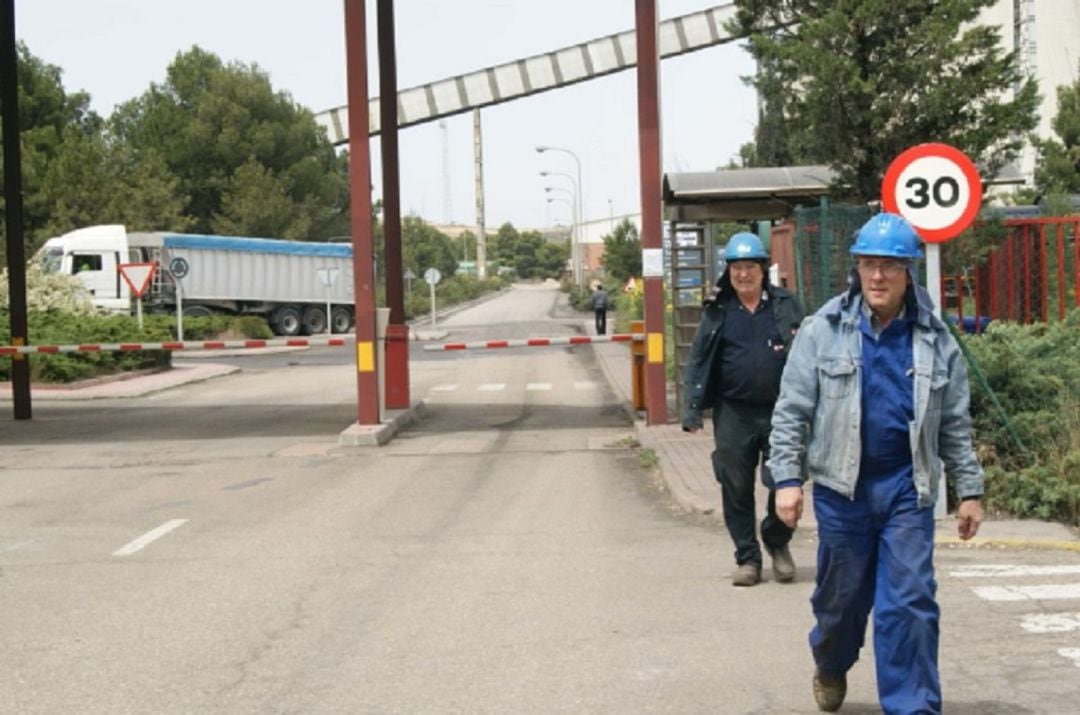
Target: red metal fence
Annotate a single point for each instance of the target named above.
(1032, 276)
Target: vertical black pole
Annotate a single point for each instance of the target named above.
(16, 252)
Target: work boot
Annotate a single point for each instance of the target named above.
(783, 566)
(829, 691)
(748, 574)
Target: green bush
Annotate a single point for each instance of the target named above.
(1035, 372)
(56, 328)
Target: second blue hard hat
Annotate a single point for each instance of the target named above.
(889, 235)
(744, 246)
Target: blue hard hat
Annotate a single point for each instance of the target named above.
(744, 246)
(887, 235)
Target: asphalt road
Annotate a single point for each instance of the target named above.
(212, 549)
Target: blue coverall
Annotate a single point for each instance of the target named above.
(876, 550)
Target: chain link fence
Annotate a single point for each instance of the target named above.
(823, 236)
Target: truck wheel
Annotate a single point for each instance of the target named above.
(197, 311)
(341, 319)
(286, 321)
(314, 320)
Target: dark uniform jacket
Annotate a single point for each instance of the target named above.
(700, 378)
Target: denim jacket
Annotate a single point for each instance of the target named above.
(816, 421)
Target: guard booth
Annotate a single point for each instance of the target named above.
(695, 204)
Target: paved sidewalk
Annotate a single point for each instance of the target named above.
(685, 461)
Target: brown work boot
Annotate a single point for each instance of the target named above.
(829, 691)
(748, 574)
(783, 566)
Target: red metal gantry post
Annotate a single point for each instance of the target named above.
(367, 384)
(648, 84)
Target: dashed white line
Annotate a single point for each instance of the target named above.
(492, 387)
(534, 386)
(584, 385)
(1023, 593)
(444, 388)
(1051, 622)
(149, 537)
(1009, 570)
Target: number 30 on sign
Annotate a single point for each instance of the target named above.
(936, 187)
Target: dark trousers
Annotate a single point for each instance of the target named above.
(601, 321)
(741, 436)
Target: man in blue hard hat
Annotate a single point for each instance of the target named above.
(873, 404)
(734, 368)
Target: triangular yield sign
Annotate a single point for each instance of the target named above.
(137, 276)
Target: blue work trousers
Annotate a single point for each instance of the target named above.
(876, 551)
(741, 435)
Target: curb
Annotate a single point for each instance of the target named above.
(357, 435)
(979, 542)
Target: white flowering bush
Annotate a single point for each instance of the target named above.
(49, 292)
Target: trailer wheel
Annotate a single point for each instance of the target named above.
(314, 320)
(341, 319)
(197, 311)
(286, 321)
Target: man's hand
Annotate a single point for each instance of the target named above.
(969, 516)
(789, 505)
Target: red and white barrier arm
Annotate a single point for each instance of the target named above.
(176, 345)
(537, 342)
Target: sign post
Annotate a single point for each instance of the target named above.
(327, 276)
(937, 188)
(138, 277)
(432, 276)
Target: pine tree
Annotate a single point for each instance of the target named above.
(856, 82)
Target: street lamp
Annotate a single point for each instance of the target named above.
(580, 203)
(573, 210)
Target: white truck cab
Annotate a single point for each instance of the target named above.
(92, 255)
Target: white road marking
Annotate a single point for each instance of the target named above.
(444, 388)
(492, 387)
(1023, 593)
(149, 537)
(538, 386)
(986, 570)
(1051, 622)
(1073, 653)
(18, 545)
(584, 385)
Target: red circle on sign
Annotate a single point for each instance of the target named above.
(950, 154)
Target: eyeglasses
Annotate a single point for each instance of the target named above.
(889, 267)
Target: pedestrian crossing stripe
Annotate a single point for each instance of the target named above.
(1050, 591)
(1050, 622)
(1010, 570)
(1072, 653)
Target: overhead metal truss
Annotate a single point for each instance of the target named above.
(540, 73)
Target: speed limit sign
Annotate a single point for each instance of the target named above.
(936, 187)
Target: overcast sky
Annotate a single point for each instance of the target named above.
(114, 49)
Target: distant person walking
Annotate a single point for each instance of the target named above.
(873, 405)
(734, 368)
(599, 305)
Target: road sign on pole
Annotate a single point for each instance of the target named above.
(138, 277)
(432, 276)
(936, 187)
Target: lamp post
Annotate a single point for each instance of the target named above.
(573, 210)
(575, 218)
(580, 203)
